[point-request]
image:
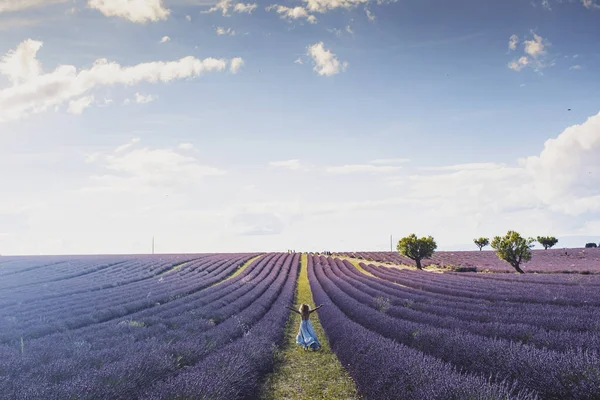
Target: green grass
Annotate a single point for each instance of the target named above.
(243, 267)
(238, 271)
(176, 267)
(307, 375)
(356, 263)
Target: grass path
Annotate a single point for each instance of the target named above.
(177, 266)
(307, 375)
(357, 261)
(239, 270)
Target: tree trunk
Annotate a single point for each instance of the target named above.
(519, 270)
(418, 261)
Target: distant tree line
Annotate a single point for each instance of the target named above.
(512, 247)
(546, 241)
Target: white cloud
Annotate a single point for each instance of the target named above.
(535, 50)
(390, 160)
(349, 30)
(290, 14)
(513, 42)
(148, 190)
(294, 165)
(186, 146)
(254, 223)
(564, 178)
(465, 167)
(20, 65)
(244, 8)
(575, 67)
(8, 24)
(142, 99)
(567, 172)
(222, 31)
(224, 6)
(590, 4)
(326, 63)
(458, 191)
(165, 39)
(335, 31)
(17, 5)
(323, 6)
(298, 61)
(188, 18)
(34, 91)
(77, 106)
(326, 5)
(145, 169)
(93, 157)
(235, 65)
(362, 168)
(138, 11)
(125, 146)
(535, 47)
(517, 65)
(395, 181)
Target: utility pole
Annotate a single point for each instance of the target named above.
(391, 245)
(152, 244)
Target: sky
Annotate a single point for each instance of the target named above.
(310, 125)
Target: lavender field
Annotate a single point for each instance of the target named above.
(418, 335)
(207, 326)
(543, 261)
(140, 327)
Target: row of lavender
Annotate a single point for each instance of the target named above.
(421, 329)
(113, 290)
(162, 334)
(551, 260)
(19, 271)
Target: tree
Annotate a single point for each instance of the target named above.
(514, 249)
(547, 241)
(417, 248)
(481, 242)
(590, 245)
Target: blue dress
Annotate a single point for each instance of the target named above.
(307, 336)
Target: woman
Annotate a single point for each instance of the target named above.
(306, 335)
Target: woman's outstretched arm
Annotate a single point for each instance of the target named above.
(316, 308)
(293, 309)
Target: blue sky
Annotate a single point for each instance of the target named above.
(329, 129)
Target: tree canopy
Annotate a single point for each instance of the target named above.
(514, 249)
(417, 248)
(590, 245)
(481, 242)
(547, 241)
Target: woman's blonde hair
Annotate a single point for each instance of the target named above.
(303, 308)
